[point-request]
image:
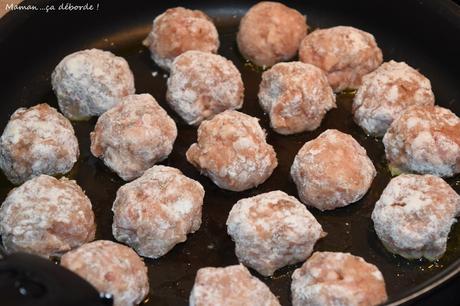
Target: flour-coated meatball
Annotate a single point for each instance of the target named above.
(346, 54)
(270, 32)
(37, 140)
(426, 140)
(156, 211)
(230, 286)
(334, 278)
(111, 268)
(414, 215)
(332, 171)
(272, 230)
(133, 136)
(203, 84)
(296, 96)
(178, 30)
(89, 82)
(46, 216)
(232, 151)
(386, 93)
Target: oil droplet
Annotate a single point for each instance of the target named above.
(254, 67)
(146, 300)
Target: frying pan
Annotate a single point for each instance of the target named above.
(424, 33)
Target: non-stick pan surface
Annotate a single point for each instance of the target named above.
(425, 34)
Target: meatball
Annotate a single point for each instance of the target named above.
(37, 140)
(270, 32)
(386, 92)
(346, 54)
(272, 230)
(203, 84)
(334, 278)
(89, 82)
(414, 215)
(112, 268)
(46, 216)
(230, 286)
(231, 150)
(426, 140)
(178, 30)
(296, 96)
(133, 136)
(156, 211)
(332, 171)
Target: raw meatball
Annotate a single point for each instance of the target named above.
(133, 136)
(46, 216)
(231, 149)
(386, 92)
(296, 96)
(230, 286)
(270, 32)
(414, 215)
(203, 84)
(424, 139)
(333, 278)
(272, 230)
(178, 30)
(156, 211)
(89, 82)
(112, 268)
(332, 171)
(346, 54)
(37, 140)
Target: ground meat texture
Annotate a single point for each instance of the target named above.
(133, 136)
(46, 216)
(296, 96)
(414, 215)
(333, 278)
(272, 230)
(111, 268)
(232, 151)
(89, 82)
(332, 171)
(270, 32)
(37, 140)
(230, 286)
(179, 30)
(156, 211)
(386, 93)
(203, 84)
(426, 140)
(346, 54)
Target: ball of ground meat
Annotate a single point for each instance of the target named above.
(134, 135)
(230, 286)
(272, 230)
(89, 82)
(386, 92)
(37, 140)
(334, 278)
(203, 84)
(414, 215)
(46, 216)
(346, 54)
(111, 268)
(178, 30)
(424, 139)
(296, 96)
(332, 171)
(270, 32)
(156, 211)
(232, 151)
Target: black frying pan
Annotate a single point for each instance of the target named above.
(424, 33)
